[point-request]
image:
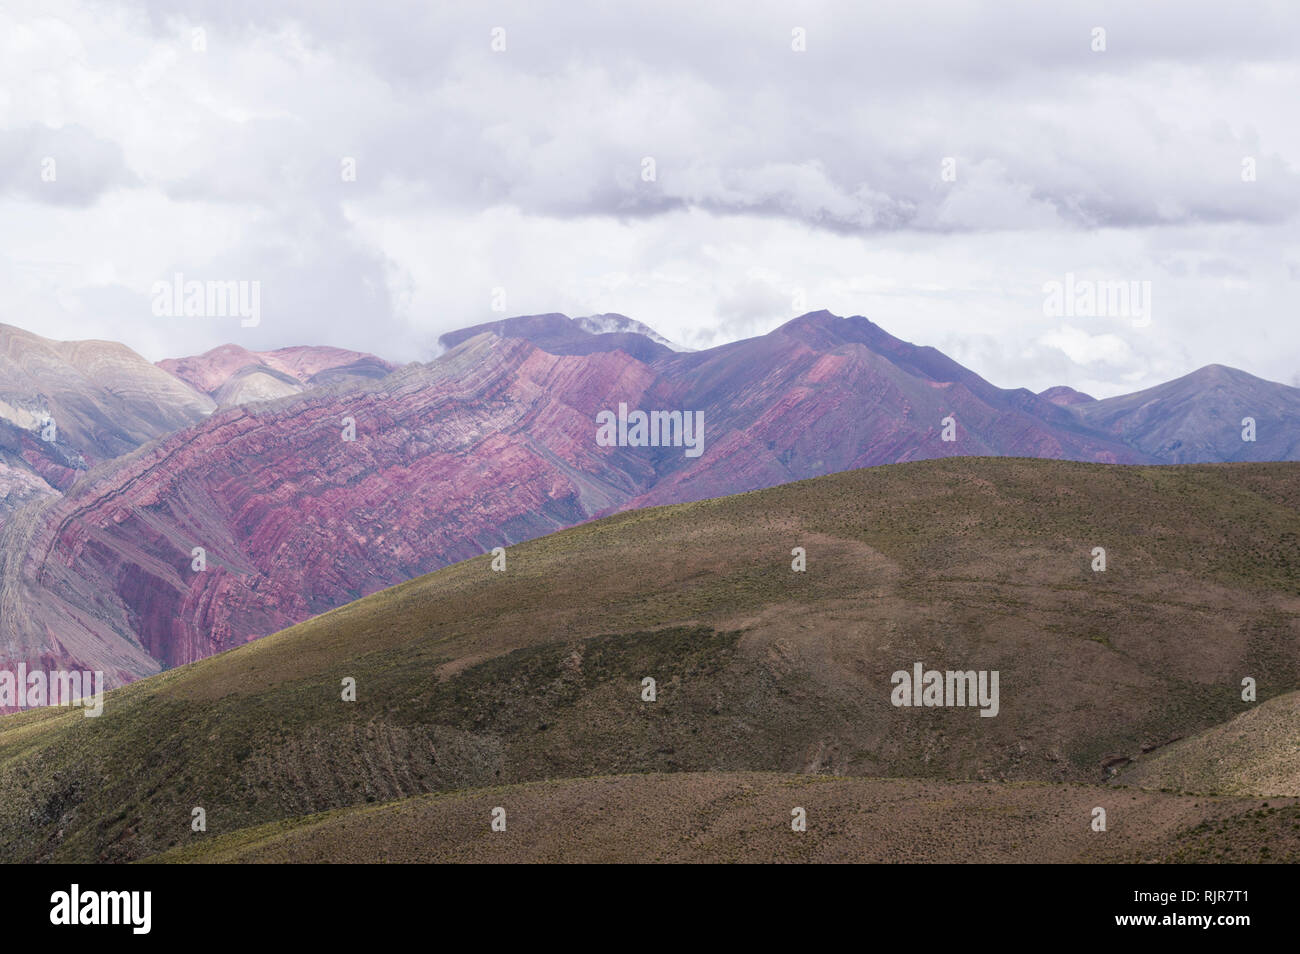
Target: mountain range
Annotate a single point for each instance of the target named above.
(190, 507)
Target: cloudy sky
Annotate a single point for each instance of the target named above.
(711, 169)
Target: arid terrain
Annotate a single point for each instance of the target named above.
(745, 817)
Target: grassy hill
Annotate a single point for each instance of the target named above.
(473, 679)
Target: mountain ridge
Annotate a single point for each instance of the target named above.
(493, 442)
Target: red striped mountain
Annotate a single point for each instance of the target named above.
(492, 443)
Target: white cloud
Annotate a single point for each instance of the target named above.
(1088, 349)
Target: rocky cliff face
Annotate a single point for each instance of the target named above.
(260, 516)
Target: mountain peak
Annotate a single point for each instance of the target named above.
(560, 334)
(613, 323)
(821, 318)
(1221, 373)
(823, 328)
(1199, 417)
(1065, 396)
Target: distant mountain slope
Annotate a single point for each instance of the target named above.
(1199, 418)
(1065, 396)
(102, 399)
(560, 334)
(231, 375)
(470, 678)
(822, 394)
(493, 443)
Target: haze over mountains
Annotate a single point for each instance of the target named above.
(488, 445)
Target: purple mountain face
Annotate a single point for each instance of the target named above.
(1065, 396)
(1214, 414)
(240, 521)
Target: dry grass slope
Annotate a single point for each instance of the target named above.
(746, 817)
(1257, 753)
